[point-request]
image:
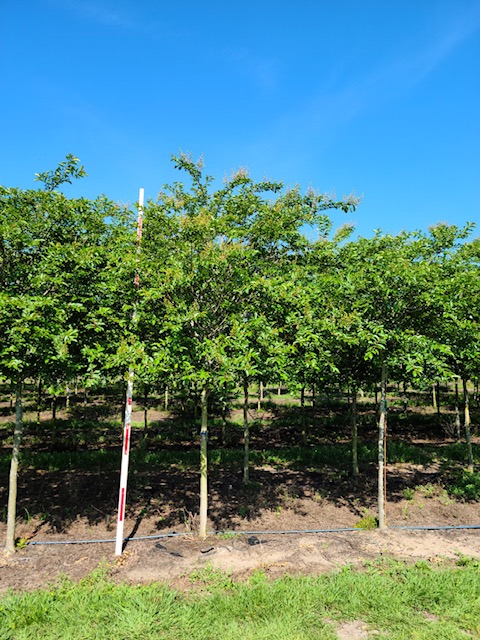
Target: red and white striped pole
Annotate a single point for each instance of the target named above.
(127, 428)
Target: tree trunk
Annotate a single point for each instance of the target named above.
(457, 414)
(54, 407)
(12, 490)
(260, 396)
(467, 426)
(314, 399)
(166, 398)
(224, 415)
(246, 432)
(382, 427)
(302, 415)
(145, 409)
(203, 463)
(39, 400)
(434, 398)
(355, 470)
(438, 401)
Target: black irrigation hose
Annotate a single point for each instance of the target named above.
(251, 533)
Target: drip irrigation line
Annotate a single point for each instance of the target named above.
(160, 536)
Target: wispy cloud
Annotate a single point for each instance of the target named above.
(323, 113)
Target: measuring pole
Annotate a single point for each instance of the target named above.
(127, 427)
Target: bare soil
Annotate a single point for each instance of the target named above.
(79, 505)
(172, 559)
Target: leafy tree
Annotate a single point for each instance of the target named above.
(206, 257)
(54, 257)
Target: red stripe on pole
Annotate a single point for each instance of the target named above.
(122, 505)
(129, 401)
(127, 438)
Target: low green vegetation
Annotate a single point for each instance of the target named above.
(387, 599)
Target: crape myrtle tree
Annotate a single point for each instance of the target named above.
(390, 282)
(308, 320)
(55, 254)
(194, 272)
(255, 350)
(206, 255)
(454, 299)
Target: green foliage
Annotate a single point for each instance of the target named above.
(66, 171)
(368, 521)
(464, 484)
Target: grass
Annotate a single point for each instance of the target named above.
(392, 599)
(299, 457)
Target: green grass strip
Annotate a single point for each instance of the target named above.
(332, 455)
(395, 601)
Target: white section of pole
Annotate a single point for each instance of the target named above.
(127, 428)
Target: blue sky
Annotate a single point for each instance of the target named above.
(377, 98)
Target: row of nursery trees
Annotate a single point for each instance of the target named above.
(238, 284)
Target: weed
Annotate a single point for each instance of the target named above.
(243, 511)
(409, 493)
(226, 535)
(465, 485)
(429, 490)
(21, 543)
(368, 521)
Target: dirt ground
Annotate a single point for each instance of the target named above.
(172, 559)
(162, 504)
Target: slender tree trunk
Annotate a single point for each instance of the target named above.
(12, 490)
(224, 415)
(382, 426)
(165, 403)
(260, 396)
(355, 470)
(279, 390)
(314, 399)
(457, 414)
(467, 425)
(203, 463)
(434, 398)
(246, 432)
(145, 409)
(39, 399)
(302, 415)
(54, 407)
(67, 398)
(438, 401)
(124, 400)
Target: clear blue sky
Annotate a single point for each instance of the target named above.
(380, 98)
